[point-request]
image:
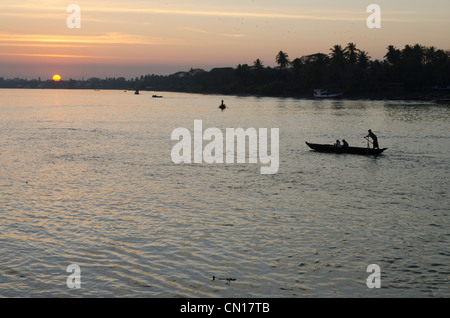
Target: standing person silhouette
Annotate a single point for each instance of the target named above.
(374, 138)
(222, 106)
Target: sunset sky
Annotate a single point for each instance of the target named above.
(137, 37)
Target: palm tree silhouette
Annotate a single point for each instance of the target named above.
(351, 53)
(393, 55)
(282, 60)
(258, 65)
(337, 55)
(363, 58)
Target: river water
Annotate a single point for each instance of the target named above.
(87, 178)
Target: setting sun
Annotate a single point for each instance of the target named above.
(56, 78)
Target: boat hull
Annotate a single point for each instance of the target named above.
(349, 150)
(329, 95)
(321, 93)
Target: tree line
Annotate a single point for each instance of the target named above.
(346, 69)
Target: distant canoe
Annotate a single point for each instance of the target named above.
(157, 96)
(321, 93)
(441, 88)
(442, 101)
(349, 150)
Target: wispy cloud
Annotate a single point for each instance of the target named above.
(107, 38)
(236, 14)
(202, 31)
(61, 55)
(53, 45)
(37, 11)
(195, 30)
(96, 12)
(229, 35)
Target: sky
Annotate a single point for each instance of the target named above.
(136, 37)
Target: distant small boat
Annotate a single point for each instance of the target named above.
(222, 106)
(136, 92)
(441, 87)
(349, 150)
(442, 101)
(321, 93)
(157, 96)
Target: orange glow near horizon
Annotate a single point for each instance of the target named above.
(56, 78)
(137, 38)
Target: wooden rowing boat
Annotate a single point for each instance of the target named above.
(349, 150)
(321, 93)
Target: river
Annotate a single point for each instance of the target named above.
(87, 178)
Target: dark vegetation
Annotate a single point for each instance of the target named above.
(415, 71)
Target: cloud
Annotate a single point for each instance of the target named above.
(106, 38)
(202, 31)
(38, 11)
(60, 55)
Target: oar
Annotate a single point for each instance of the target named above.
(367, 138)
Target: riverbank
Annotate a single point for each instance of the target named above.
(429, 95)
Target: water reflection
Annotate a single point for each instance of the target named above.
(337, 104)
(102, 192)
(411, 112)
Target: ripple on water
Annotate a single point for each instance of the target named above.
(83, 186)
